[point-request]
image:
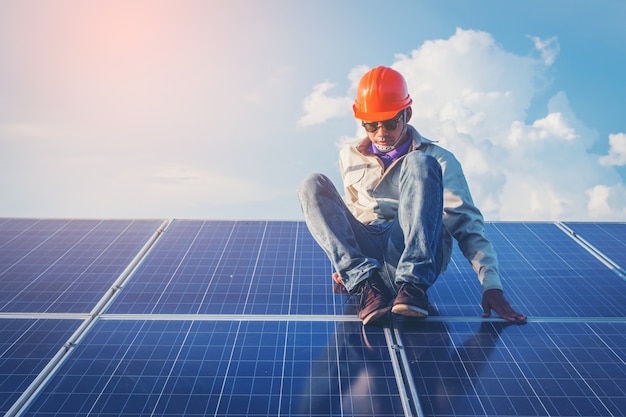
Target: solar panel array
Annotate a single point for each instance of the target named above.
(240, 318)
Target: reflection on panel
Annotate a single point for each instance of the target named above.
(539, 369)
(225, 368)
(241, 318)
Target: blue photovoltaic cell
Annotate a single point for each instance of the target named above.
(540, 369)
(608, 238)
(258, 267)
(26, 347)
(298, 347)
(232, 267)
(167, 368)
(65, 265)
(544, 273)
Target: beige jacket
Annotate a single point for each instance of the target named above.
(372, 196)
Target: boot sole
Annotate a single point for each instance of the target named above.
(409, 310)
(376, 315)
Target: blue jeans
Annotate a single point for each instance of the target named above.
(407, 248)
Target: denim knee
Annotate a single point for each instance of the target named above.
(420, 165)
(311, 185)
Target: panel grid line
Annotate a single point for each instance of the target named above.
(466, 373)
(227, 372)
(50, 266)
(409, 379)
(162, 394)
(254, 268)
(613, 266)
(219, 262)
(580, 376)
(173, 275)
(393, 347)
(40, 380)
(241, 320)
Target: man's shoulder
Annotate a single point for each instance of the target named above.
(430, 146)
(353, 146)
(445, 157)
(435, 148)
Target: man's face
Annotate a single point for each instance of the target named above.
(385, 136)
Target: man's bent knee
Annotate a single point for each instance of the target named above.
(421, 165)
(312, 184)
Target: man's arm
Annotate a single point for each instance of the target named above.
(465, 222)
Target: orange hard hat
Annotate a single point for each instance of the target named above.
(380, 95)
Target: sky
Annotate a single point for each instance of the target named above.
(218, 109)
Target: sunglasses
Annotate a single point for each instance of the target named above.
(391, 124)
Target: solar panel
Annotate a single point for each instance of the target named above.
(65, 265)
(544, 272)
(496, 369)
(232, 267)
(26, 348)
(224, 368)
(241, 318)
(608, 238)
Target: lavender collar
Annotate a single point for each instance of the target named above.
(390, 157)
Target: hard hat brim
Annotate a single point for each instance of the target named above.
(377, 116)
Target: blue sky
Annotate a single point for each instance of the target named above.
(218, 109)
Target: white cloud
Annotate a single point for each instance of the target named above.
(607, 202)
(319, 107)
(470, 80)
(473, 96)
(617, 151)
(549, 48)
(551, 127)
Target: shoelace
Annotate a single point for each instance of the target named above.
(365, 289)
(413, 291)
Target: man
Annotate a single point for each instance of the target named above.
(405, 200)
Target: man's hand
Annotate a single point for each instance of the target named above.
(494, 299)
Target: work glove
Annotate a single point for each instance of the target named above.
(494, 299)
